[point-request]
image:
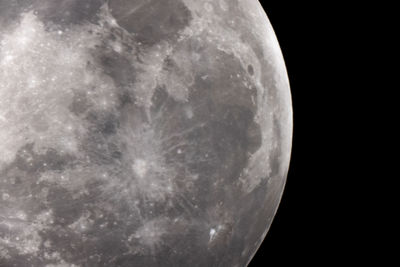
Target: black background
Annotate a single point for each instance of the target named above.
(333, 210)
(307, 228)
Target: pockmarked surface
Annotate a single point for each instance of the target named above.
(139, 132)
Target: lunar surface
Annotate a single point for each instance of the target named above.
(139, 132)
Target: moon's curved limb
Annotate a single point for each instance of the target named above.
(139, 133)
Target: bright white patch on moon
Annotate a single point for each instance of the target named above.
(140, 167)
(36, 89)
(139, 133)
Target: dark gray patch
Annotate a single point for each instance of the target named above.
(136, 260)
(11, 10)
(151, 20)
(66, 12)
(126, 98)
(223, 78)
(17, 260)
(99, 143)
(103, 123)
(254, 137)
(224, 103)
(217, 141)
(117, 155)
(100, 150)
(159, 100)
(117, 67)
(132, 115)
(66, 209)
(27, 160)
(80, 103)
(250, 70)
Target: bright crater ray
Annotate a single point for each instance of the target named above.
(139, 133)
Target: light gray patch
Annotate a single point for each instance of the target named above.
(275, 161)
(151, 20)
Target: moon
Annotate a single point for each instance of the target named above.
(139, 132)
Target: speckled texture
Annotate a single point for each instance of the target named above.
(139, 133)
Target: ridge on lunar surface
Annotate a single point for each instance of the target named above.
(139, 132)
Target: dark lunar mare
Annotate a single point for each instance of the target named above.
(151, 21)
